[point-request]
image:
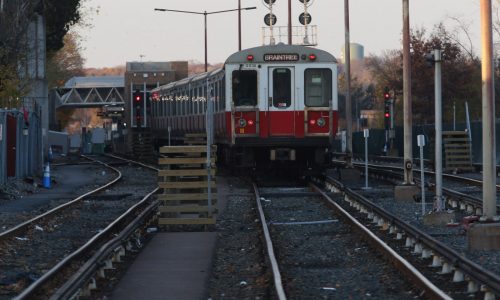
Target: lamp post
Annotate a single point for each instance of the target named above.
(205, 14)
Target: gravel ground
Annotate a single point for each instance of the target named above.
(239, 269)
(454, 237)
(25, 258)
(23, 199)
(328, 261)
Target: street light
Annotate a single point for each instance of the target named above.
(205, 14)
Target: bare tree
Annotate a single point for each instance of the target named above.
(460, 34)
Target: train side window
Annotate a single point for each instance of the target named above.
(223, 93)
(190, 103)
(244, 87)
(282, 87)
(317, 87)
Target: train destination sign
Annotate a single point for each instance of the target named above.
(281, 57)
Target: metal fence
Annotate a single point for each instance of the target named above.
(20, 145)
(376, 140)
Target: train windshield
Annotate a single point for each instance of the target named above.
(245, 87)
(317, 87)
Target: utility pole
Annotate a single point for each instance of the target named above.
(489, 151)
(289, 22)
(348, 108)
(407, 113)
(439, 131)
(239, 25)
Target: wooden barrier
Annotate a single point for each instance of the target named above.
(195, 139)
(457, 151)
(184, 180)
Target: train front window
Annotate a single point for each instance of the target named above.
(282, 87)
(317, 87)
(244, 87)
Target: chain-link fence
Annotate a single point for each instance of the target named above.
(20, 144)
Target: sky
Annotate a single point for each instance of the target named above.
(130, 30)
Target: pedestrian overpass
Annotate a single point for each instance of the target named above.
(86, 92)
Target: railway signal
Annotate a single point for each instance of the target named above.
(270, 19)
(305, 18)
(387, 109)
(138, 107)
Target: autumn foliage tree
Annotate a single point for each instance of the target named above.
(15, 18)
(461, 79)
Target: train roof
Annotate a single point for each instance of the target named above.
(282, 53)
(190, 79)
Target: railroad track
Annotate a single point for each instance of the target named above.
(89, 232)
(314, 254)
(468, 199)
(431, 249)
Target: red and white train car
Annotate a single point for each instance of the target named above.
(271, 102)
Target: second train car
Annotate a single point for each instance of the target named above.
(275, 102)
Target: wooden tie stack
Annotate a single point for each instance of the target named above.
(184, 180)
(457, 151)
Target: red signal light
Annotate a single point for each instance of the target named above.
(387, 115)
(387, 96)
(250, 57)
(312, 56)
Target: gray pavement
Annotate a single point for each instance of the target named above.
(173, 266)
(69, 180)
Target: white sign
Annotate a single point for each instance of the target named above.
(366, 133)
(114, 108)
(421, 140)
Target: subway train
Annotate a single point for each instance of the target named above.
(268, 103)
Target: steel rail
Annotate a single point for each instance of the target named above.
(88, 246)
(31, 290)
(87, 271)
(399, 160)
(469, 267)
(278, 284)
(402, 264)
(23, 226)
(471, 200)
(390, 170)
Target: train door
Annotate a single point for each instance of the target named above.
(281, 101)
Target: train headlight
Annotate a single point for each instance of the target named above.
(243, 123)
(312, 121)
(321, 122)
(250, 122)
